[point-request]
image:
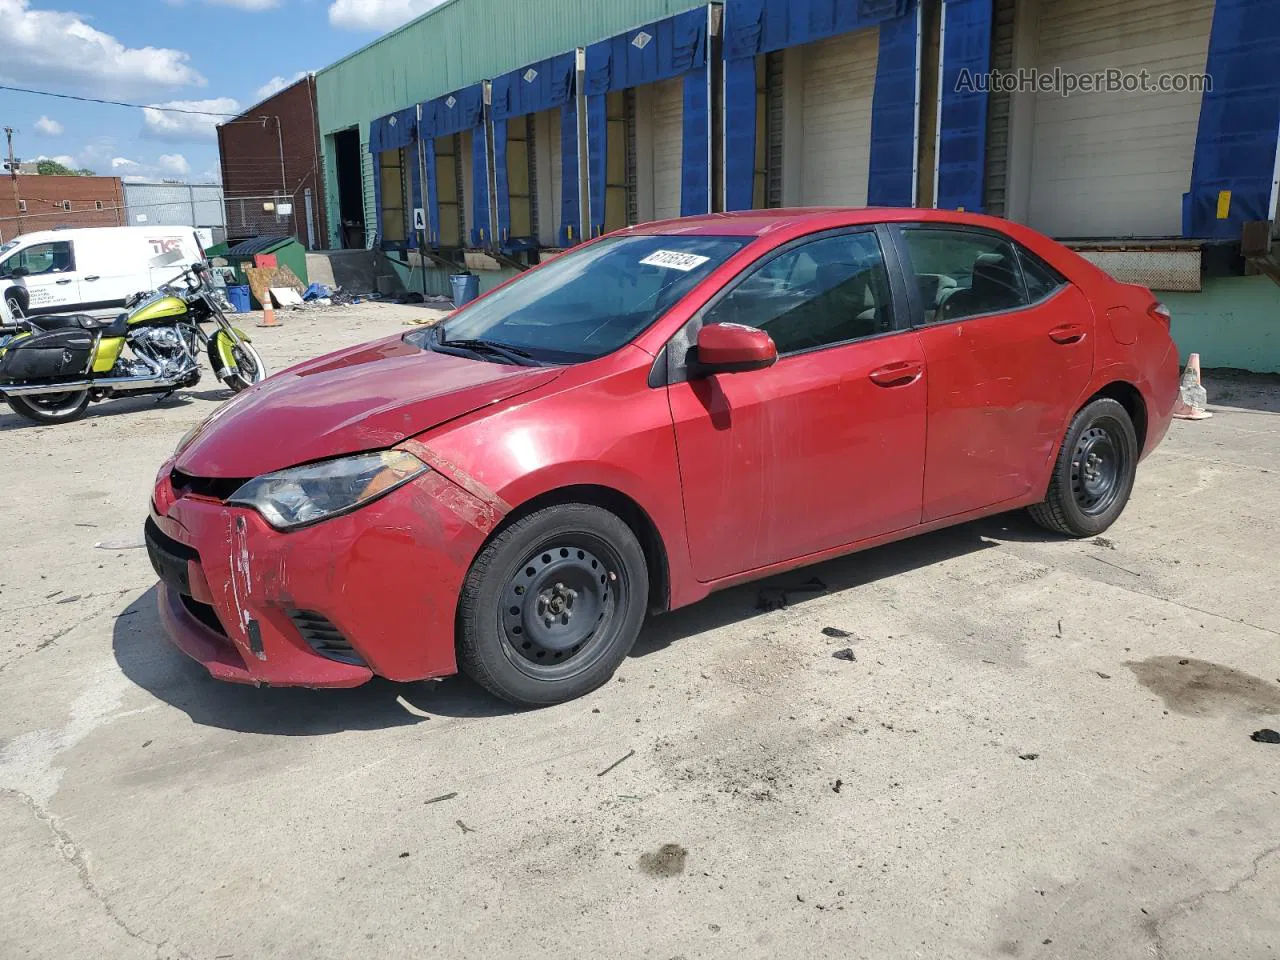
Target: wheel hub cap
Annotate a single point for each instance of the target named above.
(1096, 470)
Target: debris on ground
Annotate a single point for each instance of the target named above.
(1265, 736)
(667, 861)
(837, 785)
(618, 762)
(119, 545)
(464, 827)
(835, 633)
(71, 599)
(403, 855)
(845, 654)
(1028, 756)
(441, 799)
(1103, 676)
(1104, 543)
(779, 598)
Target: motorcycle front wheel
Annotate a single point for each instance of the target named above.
(245, 367)
(51, 408)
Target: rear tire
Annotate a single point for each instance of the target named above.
(552, 605)
(51, 408)
(1094, 473)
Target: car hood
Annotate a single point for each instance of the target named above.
(364, 398)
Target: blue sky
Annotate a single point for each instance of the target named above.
(215, 55)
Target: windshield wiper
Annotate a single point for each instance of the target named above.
(490, 348)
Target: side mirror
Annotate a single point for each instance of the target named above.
(18, 273)
(734, 348)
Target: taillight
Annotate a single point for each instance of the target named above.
(1159, 312)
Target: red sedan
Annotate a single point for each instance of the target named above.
(652, 416)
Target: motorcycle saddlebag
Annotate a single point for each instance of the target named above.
(55, 355)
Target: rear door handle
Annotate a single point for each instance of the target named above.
(900, 374)
(62, 282)
(94, 277)
(1067, 333)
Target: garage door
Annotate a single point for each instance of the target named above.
(549, 213)
(1117, 164)
(839, 78)
(668, 136)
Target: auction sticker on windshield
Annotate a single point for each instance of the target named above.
(674, 260)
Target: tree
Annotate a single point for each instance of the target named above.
(52, 168)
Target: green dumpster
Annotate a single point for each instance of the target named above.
(287, 251)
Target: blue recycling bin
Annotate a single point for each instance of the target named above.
(466, 287)
(239, 297)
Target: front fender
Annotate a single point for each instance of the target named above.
(220, 355)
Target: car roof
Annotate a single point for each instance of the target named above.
(759, 223)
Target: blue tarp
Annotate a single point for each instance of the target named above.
(1239, 122)
(761, 26)
(570, 230)
(546, 85)
(753, 27)
(393, 131)
(962, 136)
(891, 176)
(676, 46)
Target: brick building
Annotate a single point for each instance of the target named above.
(30, 203)
(271, 172)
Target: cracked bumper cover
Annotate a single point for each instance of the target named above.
(387, 576)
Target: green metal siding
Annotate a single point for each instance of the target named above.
(457, 44)
(464, 41)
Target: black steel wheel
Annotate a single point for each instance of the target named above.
(1094, 473)
(52, 408)
(552, 605)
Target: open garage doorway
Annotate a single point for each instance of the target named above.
(346, 151)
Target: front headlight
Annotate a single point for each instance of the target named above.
(302, 495)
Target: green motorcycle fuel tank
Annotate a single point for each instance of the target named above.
(161, 308)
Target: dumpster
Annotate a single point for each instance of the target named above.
(466, 287)
(287, 252)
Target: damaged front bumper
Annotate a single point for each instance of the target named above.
(370, 593)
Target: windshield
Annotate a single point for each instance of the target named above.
(589, 302)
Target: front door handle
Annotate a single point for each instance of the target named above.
(62, 282)
(1067, 333)
(900, 374)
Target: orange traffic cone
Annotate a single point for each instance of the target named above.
(269, 314)
(1192, 397)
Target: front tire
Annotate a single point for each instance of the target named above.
(1093, 476)
(553, 605)
(51, 408)
(242, 362)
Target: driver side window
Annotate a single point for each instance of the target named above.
(42, 258)
(820, 293)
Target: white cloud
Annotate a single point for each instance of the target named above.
(48, 128)
(59, 49)
(62, 158)
(187, 127)
(174, 164)
(276, 84)
(121, 163)
(376, 15)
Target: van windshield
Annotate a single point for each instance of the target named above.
(591, 301)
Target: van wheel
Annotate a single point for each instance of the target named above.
(51, 407)
(552, 605)
(1094, 473)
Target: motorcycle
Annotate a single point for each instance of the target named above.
(52, 368)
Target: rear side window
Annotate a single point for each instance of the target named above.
(964, 274)
(1041, 279)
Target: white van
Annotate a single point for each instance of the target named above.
(91, 269)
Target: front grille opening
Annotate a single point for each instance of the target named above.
(324, 638)
(205, 614)
(216, 488)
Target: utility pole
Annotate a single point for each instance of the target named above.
(13, 177)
